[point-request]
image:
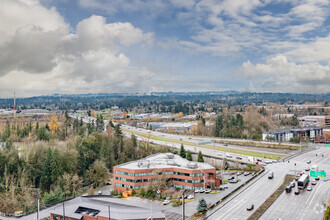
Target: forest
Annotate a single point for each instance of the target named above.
(60, 159)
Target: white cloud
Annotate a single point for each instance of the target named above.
(280, 75)
(39, 50)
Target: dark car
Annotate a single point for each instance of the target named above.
(231, 178)
(288, 189)
(297, 191)
(250, 207)
(317, 178)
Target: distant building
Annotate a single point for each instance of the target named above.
(82, 208)
(169, 167)
(281, 116)
(312, 120)
(287, 133)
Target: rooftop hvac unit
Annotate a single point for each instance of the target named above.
(169, 155)
(192, 165)
(172, 163)
(144, 163)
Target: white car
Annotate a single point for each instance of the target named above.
(166, 202)
(197, 191)
(191, 196)
(99, 193)
(208, 190)
(229, 156)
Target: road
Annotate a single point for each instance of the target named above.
(174, 140)
(303, 205)
(308, 204)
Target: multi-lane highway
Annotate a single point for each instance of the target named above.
(306, 205)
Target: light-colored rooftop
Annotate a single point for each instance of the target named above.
(164, 160)
(117, 210)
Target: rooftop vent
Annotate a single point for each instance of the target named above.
(144, 163)
(169, 156)
(192, 165)
(172, 163)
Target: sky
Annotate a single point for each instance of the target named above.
(92, 46)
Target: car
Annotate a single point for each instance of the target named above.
(308, 162)
(246, 173)
(108, 183)
(317, 178)
(233, 181)
(231, 178)
(307, 169)
(225, 145)
(270, 175)
(259, 160)
(250, 207)
(301, 173)
(239, 173)
(288, 189)
(18, 213)
(166, 202)
(222, 187)
(99, 193)
(239, 158)
(313, 182)
(219, 154)
(208, 190)
(191, 196)
(292, 184)
(201, 190)
(229, 156)
(309, 188)
(197, 191)
(297, 191)
(186, 196)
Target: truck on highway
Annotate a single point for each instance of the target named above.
(303, 181)
(315, 167)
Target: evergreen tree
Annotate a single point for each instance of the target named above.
(189, 156)
(200, 157)
(46, 176)
(182, 152)
(218, 126)
(202, 206)
(134, 141)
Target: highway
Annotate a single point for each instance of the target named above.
(303, 206)
(308, 204)
(173, 140)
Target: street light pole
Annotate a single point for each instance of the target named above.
(183, 211)
(109, 211)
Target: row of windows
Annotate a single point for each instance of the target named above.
(148, 180)
(175, 185)
(165, 173)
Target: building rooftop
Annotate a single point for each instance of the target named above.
(164, 160)
(80, 206)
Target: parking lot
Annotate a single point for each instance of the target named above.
(190, 207)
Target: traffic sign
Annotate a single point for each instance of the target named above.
(314, 173)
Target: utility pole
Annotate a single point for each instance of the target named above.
(151, 210)
(38, 208)
(183, 211)
(109, 211)
(63, 211)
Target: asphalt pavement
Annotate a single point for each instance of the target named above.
(307, 205)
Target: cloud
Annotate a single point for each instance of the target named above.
(40, 49)
(278, 74)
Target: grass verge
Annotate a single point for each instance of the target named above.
(270, 200)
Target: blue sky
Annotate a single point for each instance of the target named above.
(79, 46)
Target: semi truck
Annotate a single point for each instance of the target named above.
(303, 181)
